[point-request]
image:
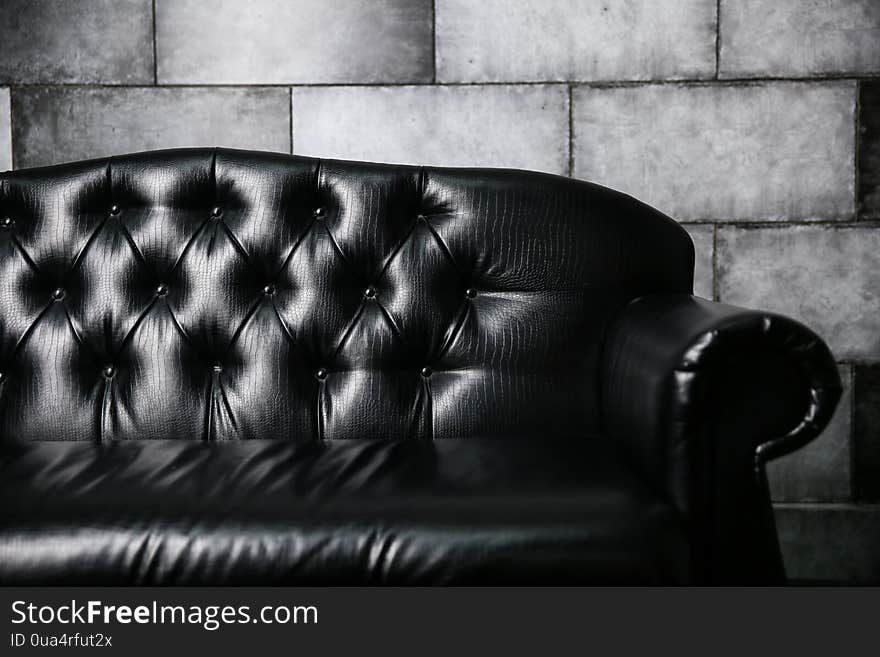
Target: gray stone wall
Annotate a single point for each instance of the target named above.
(754, 122)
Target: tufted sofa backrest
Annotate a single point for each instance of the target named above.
(217, 295)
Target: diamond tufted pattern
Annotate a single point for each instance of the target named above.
(377, 374)
(220, 295)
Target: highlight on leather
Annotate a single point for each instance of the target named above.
(230, 367)
(224, 295)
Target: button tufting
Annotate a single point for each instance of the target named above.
(161, 290)
(7, 222)
(114, 210)
(426, 372)
(370, 292)
(58, 294)
(470, 293)
(320, 211)
(269, 290)
(2, 377)
(109, 371)
(218, 367)
(217, 212)
(321, 374)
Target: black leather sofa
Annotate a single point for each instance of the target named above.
(228, 367)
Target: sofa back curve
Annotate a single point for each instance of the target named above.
(212, 294)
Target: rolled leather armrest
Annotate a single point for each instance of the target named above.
(699, 396)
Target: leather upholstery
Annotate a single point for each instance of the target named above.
(701, 395)
(308, 309)
(357, 336)
(348, 512)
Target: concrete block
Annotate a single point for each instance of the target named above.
(830, 543)
(5, 131)
(827, 277)
(866, 433)
(88, 41)
(53, 125)
(298, 41)
(521, 126)
(558, 40)
(718, 152)
(869, 150)
(799, 38)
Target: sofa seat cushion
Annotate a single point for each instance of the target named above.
(349, 512)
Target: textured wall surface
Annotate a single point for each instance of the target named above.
(5, 131)
(754, 122)
(520, 126)
(55, 123)
(700, 151)
(306, 41)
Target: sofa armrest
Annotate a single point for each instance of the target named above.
(700, 395)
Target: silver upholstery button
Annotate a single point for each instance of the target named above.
(470, 293)
(218, 367)
(370, 292)
(7, 222)
(269, 290)
(58, 294)
(109, 371)
(114, 210)
(321, 374)
(217, 212)
(320, 211)
(161, 290)
(427, 372)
